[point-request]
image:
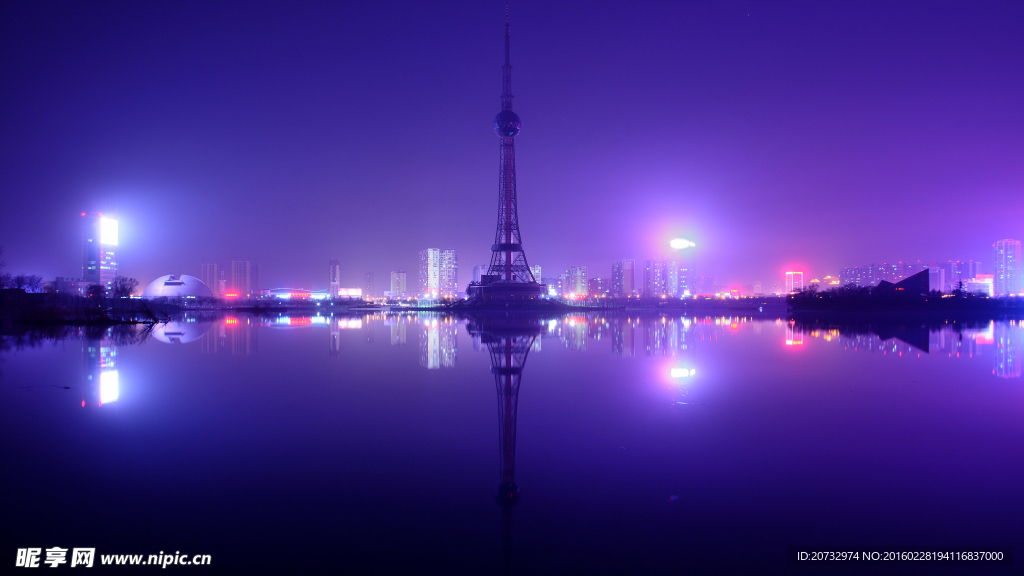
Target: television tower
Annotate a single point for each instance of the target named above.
(508, 276)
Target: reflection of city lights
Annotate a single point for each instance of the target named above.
(108, 386)
(352, 323)
(231, 321)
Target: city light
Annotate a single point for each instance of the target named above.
(681, 243)
(108, 386)
(108, 231)
(683, 372)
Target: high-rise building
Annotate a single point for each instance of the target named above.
(794, 282)
(672, 279)
(599, 287)
(398, 284)
(535, 270)
(334, 276)
(368, 288)
(575, 281)
(439, 273)
(242, 278)
(478, 271)
(99, 235)
(936, 278)
(654, 279)
(1006, 266)
(757, 289)
(623, 278)
(211, 277)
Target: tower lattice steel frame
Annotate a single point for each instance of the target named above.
(508, 261)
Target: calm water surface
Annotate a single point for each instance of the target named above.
(422, 443)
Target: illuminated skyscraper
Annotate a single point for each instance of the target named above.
(672, 279)
(398, 284)
(794, 282)
(439, 273)
(623, 278)
(654, 278)
(335, 277)
(575, 281)
(211, 277)
(99, 265)
(1006, 266)
(535, 270)
(242, 277)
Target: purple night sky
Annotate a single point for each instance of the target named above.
(829, 134)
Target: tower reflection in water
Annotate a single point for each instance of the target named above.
(509, 340)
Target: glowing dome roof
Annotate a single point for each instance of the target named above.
(171, 286)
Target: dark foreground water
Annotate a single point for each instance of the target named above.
(394, 444)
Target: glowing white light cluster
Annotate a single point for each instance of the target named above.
(108, 231)
(681, 243)
(108, 386)
(683, 372)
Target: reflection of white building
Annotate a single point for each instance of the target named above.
(438, 342)
(101, 377)
(1009, 341)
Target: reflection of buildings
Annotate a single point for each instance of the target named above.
(438, 341)
(1009, 346)
(238, 336)
(101, 377)
(508, 342)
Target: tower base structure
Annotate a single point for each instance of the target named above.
(505, 291)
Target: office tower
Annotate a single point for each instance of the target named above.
(973, 268)
(599, 286)
(654, 278)
(368, 285)
(575, 281)
(334, 277)
(672, 279)
(936, 278)
(241, 277)
(99, 265)
(794, 282)
(554, 285)
(211, 277)
(757, 289)
(535, 270)
(1006, 267)
(439, 268)
(479, 271)
(623, 278)
(685, 282)
(398, 286)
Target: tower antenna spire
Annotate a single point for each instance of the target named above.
(506, 78)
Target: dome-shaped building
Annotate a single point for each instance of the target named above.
(183, 286)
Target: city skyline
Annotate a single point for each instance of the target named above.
(236, 176)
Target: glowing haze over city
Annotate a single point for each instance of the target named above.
(768, 136)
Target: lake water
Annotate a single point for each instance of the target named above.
(588, 443)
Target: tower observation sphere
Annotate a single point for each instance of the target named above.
(507, 123)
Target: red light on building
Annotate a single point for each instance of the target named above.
(231, 294)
